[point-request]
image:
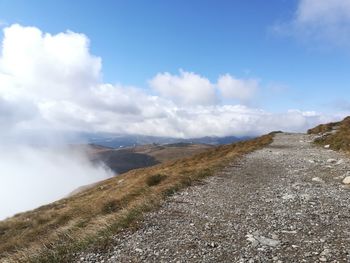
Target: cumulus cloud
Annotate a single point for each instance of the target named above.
(190, 89)
(37, 72)
(321, 22)
(53, 83)
(240, 89)
(186, 88)
(40, 65)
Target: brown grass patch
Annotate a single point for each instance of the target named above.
(155, 179)
(339, 139)
(52, 233)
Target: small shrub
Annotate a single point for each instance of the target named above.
(82, 223)
(171, 190)
(3, 229)
(205, 173)
(155, 179)
(111, 206)
(186, 181)
(62, 219)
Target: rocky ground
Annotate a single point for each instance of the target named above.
(284, 203)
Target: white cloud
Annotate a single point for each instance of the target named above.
(240, 89)
(320, 22)
(323, 11)
(52, 83)
(38, 71)
(186, 88)
(39, 65)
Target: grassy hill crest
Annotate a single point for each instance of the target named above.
(52, 233)
(334, 134)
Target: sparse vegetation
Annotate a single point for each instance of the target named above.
(52, 233)
(335, 134)
(155, 179)
(322, 128)
(111, 206)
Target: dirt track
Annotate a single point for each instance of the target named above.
(284, 203)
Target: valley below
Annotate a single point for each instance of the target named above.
(140, 156)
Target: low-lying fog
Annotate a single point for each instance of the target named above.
(32, 176)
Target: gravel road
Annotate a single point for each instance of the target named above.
(284, 203)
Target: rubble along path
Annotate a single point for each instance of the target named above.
(283, 203)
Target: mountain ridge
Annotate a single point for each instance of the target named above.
(73, 223)
(92, 218)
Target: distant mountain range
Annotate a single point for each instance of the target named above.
(121, 141)
(122, 153)
(111, 140)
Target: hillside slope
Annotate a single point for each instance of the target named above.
(335, 134)
(283, 203)
(53, 232)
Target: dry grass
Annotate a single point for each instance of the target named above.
(322, 128)
(52, 233)
(339, 139)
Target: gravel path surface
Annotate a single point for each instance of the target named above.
(284, 203)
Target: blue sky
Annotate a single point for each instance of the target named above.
(137, 39)
(286, 46)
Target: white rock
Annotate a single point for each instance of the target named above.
(326, 252)
(267, 241)
(274, 236)
(289, 231)
(311, 161)
(331, 161)
(305, 197)
(288, 197)
(251, 239)
(327, 146)
(341, 161)
(317, 179)
(346, 180)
